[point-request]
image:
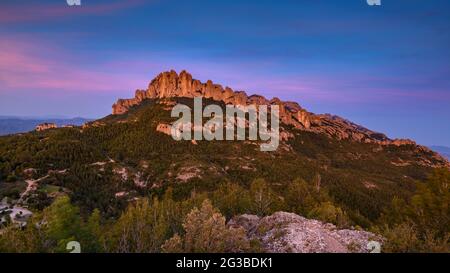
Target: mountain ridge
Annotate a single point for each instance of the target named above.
(14, 125)
(112, 161)
(170, 84)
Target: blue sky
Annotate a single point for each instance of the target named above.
(384, 67)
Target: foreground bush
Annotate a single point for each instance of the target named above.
(206, 231)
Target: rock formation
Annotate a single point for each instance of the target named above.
(288, 232)
(170, 85)
(163, 128)
(45, 126)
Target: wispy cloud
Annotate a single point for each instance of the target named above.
(36, 65)
(31, 12)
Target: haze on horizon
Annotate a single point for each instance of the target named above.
(385, 67)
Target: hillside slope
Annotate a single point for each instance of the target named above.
(325, 168)
(122, 156)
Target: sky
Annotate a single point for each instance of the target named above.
(384, 67)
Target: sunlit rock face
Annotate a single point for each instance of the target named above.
(45, 126)
(170, 84)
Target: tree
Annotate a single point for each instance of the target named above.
(206, 232)
(421, 224)
(93, 233)
(299, 197)
(62, 223)
(430, 206)
(327, 212)
(14, 240)
(141, 228)
(263, 199)
(401, 238)
(231, 199)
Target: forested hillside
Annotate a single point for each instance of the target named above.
(119, 173)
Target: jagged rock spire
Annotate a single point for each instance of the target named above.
(170, 84)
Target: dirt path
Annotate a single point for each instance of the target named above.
(31, 186)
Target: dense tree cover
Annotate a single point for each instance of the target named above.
(205, 231)
(421, 223)
(195, 224)
(145, 226)
(52, 229)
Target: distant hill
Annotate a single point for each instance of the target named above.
(14, 125)
(445, 151)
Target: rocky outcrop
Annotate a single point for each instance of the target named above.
(288, 232)
(171, 85)
(45, 126)
(164, 128)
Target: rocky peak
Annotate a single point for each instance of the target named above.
(170, 84)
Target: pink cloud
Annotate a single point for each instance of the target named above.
(36, 65)
(33, 64)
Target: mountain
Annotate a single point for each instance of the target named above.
(171, 85)
(445, 151)
(14, 125)
(325, 167)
